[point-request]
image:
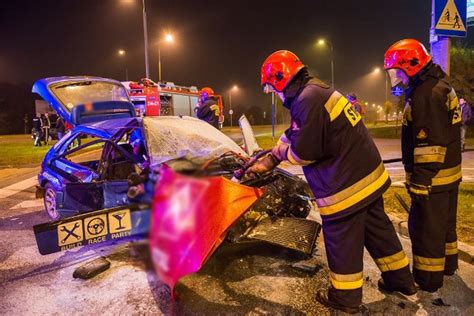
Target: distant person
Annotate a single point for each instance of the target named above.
(352, 97)
(60, 127)
(46, 127)
(208, 109)
(36, 131)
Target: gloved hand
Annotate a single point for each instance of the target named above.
(215, 109)
(265, 164)
(418, 192)
(280, 151)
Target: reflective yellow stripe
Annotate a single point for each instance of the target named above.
(283, 140)
(451, 248)
(393, 262)
(428, 264)
(347, 281)
(294, 159)
(430, 154)
(452, 102)
(447, 176)
(444, 176)
(419, 191)
(335, 105)
(353, 194)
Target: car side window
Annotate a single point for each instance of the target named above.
(89, 155)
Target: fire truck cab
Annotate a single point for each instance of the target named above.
(165, 98)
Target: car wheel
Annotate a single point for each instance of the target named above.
(50, 201)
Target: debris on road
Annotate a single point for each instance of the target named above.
(91, 269)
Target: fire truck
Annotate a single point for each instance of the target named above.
(166, 99)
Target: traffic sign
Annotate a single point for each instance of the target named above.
(450, 18)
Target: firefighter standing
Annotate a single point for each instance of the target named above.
(327, 137)
(208, 109)
(431, 150)
(36, 131)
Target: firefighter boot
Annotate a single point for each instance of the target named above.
(322, 297)
(410, 290)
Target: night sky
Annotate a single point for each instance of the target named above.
(218, 43)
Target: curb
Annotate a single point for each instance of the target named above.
(465, 251)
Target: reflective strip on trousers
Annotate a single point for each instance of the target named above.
(428, 264)
(347, 281)
(451, 248)
(354, 193)
(393, 262)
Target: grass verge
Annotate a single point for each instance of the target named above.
(465, 218)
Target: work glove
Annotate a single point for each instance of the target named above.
(264, 165)
(280, 151)
(418, 192)
(215, 109)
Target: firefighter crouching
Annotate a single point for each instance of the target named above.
(431, 150)
(208, 109)
(328, 138)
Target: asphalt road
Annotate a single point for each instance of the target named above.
(238, 279)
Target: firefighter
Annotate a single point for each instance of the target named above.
(208, 109)
(431, 150)
(327, 138)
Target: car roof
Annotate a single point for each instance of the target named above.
(106, 129)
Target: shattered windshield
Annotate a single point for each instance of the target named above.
(173, 137)
(71, 94)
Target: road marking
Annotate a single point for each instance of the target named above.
(17, 187)
(28, 204)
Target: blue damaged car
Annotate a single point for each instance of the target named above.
(90, 167)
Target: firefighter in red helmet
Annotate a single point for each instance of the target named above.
(327, 137)
(208, 109)
(431, 157)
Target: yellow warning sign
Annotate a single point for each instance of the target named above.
(95, 226)
(70, 233)
(120, 221)
(450, 19)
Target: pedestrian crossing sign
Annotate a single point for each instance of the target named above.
(450, 17)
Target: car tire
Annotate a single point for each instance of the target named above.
(50, 202)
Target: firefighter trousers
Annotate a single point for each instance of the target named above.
(432, 227)
(345, 239)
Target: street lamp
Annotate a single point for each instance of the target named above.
(168, 39)
(376, 71)
(121, 54)
(145, 37)
(231, 112)
(322, 42)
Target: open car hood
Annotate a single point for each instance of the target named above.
(171, 137)
(250, 142)
(85, 99)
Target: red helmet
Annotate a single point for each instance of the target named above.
(206, 91)
(408, 55)
(279, 68)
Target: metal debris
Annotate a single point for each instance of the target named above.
(91, 269)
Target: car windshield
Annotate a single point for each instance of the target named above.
(171, 138)
(71, 94)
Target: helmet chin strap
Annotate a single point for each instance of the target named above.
(281, 95)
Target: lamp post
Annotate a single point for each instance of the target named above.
(145, 39)
(231, 112)
(122, 54)
(322, 42)
(169, 39)
(376, 71)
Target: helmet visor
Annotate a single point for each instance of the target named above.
(397, 77)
